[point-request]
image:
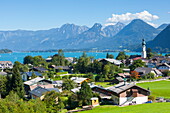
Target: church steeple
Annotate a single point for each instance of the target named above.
(143, 48)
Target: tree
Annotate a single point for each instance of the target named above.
(106, 70)
(16, 82)
(82, 64)
(60, 52)
(137, 63)
(109, 55)
(121, 56)
(68, 84)
(85, 94)
(73, 101)
(33, 75)
(3, 81)
(150, 76)
(59, 59)
(28, 60)
(53, 102)
(134, 74)
(149, 53)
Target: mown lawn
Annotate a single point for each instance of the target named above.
(143, 108)
(158, 88)
(104, 84)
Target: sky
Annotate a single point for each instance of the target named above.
(47, 14)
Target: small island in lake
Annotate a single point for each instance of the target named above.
(5, 51)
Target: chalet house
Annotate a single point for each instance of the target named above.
(58, 83)
(39, 92)
(63, 68)
(145, 70)
(79, 80)
(123, 94)
(38, 81)
(48, 59)
(6, 65)
(158, 60)
(163, 67)
(112, 61)
(27, 75)
(123, 75)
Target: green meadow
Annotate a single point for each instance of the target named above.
(143, 108)
(158, 88)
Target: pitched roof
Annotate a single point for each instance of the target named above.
(114, 61)
(33, 81)
(5, 62)
(39, 91)
(144, 70)
(78, 79)
(121, 88)
(134, 56)
(62, 67)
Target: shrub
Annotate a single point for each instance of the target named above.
(151, 97)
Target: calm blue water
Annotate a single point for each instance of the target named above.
(19, 56)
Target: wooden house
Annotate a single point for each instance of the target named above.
(124, 94)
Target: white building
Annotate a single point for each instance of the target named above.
(6, 64)
(143, 49)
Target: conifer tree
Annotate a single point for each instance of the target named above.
(85, 94)
(16, 82)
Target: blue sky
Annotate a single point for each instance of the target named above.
(46, 14)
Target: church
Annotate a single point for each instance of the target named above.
(143, 49)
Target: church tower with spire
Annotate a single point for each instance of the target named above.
(143, 48)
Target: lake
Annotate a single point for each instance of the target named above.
(19, 56)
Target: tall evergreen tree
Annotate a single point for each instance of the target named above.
(85, 94)
(107, 55)
(16, 82)
(68, 84)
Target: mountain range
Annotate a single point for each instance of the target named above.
(161, 41)
(70, 36)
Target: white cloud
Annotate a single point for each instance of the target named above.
(169, 12)
(128, 17)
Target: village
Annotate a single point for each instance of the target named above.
(85, 82)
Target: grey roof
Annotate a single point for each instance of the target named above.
(39, 91)
(3, 73)
(58, 82)
(119, 88)
(120, 79)
(33, 81)
(144, 70)
(62, 67)
(122, 87)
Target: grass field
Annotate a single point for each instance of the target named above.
(143, 108)
(104, 84)
(158, 88)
